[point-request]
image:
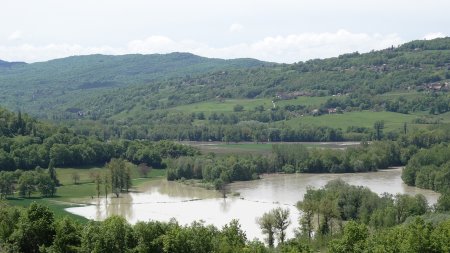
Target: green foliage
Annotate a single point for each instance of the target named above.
(9, 218)
(267, 225)
(338, 201)
(429, 169)
(119, 171)
(281, 222)
(274, 222)
(34, 229)
(116, 236)
(232, 238)
(353, 240)
(378, 155)
(228, 169)
(238, 108)
(67, 236)
(443, 203)
(378, 126)
(159, 97)
(48, 146)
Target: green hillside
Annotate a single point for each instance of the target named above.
(187, 97)
(47, 86)
(409, 67)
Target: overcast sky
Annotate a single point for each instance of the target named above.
(272, 30)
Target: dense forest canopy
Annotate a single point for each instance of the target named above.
(27, 143)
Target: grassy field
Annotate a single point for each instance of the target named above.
(444, 118)
(233, 148)
(393, 121)
(405, 94)
(248, 104)
(221, 148)
(70, 194)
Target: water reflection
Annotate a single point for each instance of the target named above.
(162, 200)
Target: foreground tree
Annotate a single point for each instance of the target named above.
(6, 184)
(267, 225)
(232, 238)
(34, 229)
(46, 185)
(116, 236)
(106, 184)
(98, 182)
(120, 173)
(27, 183)
(307, 206)
(354, 239)
(52, 172)
(282, 222)
(378, 126)
(67, 236)
(275, 222)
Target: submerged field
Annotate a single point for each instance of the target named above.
(84, 189)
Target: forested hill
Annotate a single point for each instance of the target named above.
(104, 86)
(48, 85)
(5, 64)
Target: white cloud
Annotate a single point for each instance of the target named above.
(15, 35)
(234, 28)
(288, 49)
(291, 48)
(434, 35)
(34, 53)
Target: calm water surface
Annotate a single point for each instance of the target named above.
(162, 200)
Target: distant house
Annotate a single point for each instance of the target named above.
(315, 112)
(291, 95)
(437, 86)
(283, 96)
(332, 110)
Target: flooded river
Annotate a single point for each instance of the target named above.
(162, 200)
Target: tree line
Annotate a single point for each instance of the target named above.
(292, 158)
(26, 143)
(347, 218)
(27, 183)
(325, 209)
(429, 169)
(219, 171)
(35, 229)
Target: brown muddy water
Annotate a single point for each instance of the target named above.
(162, 200)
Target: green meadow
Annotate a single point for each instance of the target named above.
(227, 105)
(220, 148)
(392, 121)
